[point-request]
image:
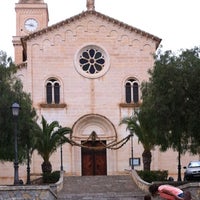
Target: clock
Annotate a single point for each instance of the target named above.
(31, 24)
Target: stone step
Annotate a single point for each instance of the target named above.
(119, 187)
(100, 197)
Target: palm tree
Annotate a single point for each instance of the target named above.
(48, 138)
(141, 128)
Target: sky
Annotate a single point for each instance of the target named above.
(176, 22)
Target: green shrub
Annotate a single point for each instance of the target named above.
(51, 177)
(152, 176)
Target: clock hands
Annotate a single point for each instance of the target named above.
(30, 24)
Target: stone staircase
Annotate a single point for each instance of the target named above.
(117, 187)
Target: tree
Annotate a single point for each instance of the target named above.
(171, 99)
(138, 124)
(48, 138)
(11, 90)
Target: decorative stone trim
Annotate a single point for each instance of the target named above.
(44, 105)
(130, 105)
(97, 14)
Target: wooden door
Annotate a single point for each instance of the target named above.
(93, 160)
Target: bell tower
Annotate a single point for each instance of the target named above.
(31, 16)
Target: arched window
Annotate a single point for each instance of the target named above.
(132, 91)
(52, 91)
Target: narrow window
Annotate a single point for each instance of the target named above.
(135, 92)
(49, 93)
(53, 92)
(128, 92)
(131, 91)
(57, 93)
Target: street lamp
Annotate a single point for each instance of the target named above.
(15, 111)
(61, 157)
(132, 158)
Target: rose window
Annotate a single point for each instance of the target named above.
(92, 61)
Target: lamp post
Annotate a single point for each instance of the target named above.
(28, 181)
(179, 166)
(132, 158)
(61, 158)
(15, 111)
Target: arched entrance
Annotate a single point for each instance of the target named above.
(92, 157)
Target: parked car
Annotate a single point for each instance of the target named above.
(192, 171)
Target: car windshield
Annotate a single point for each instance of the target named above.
(194, 164)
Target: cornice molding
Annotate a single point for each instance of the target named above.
(96, 14)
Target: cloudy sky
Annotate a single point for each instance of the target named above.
(176, 22)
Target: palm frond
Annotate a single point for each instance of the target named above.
(49, 137)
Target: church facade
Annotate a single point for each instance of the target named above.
(86, 72)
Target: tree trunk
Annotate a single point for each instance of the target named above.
(46, 167)
(146, 156)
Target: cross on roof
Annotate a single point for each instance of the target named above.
(90, 5)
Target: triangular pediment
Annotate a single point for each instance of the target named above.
(91, 13)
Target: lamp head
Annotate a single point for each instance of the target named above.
(15, 109)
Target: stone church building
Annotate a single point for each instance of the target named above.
(85, 72)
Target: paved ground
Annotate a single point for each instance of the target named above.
(100, 187)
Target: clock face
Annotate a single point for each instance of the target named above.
(31, 24)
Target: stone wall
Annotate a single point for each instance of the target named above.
(26, 193)
(193, 187)
(32, 192)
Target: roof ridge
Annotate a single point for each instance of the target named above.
(93, 12)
